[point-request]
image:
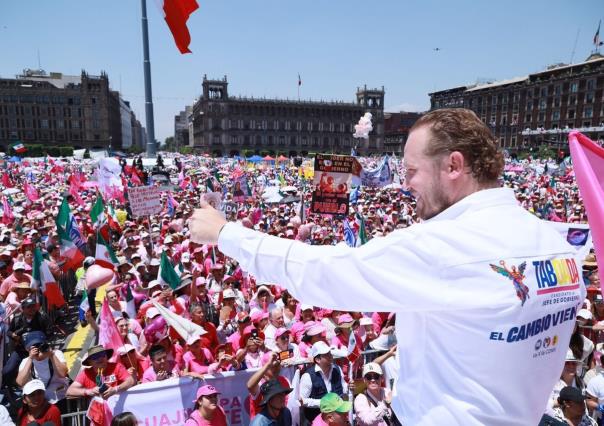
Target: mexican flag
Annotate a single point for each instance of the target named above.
(99, 218)
(113, 220)
(362, 235)
(69, 251)
(67, 222)
(18, 147)
(167, 274)
(45, 281)
(104, 255)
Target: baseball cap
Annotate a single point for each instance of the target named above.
(584, 313)
(89, 261)
(280, 332)
(331, 402)
(205, 391)
(152, 313)
(571, 393)
(27, 302)
(319, 348)
(570, 357)
(33, 338)
(372, 367)
(123, 350)
(306, 307)
(32, 386)
(19, 265)
(228, 294)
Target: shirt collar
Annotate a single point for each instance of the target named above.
(477, 200)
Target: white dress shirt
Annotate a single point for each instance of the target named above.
(476, 347)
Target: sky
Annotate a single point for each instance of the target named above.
(262, 46)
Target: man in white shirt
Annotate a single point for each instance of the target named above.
(275, 321)
(485, 294)
(319, 379)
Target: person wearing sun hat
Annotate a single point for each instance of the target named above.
(18, 276)
(274, 410)
(18, 293)
(113, 377)
(334, 411)
(207, 409)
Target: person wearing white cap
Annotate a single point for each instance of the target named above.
(582, 346)
(321, 377)
(372, 407)
(36, 409)
(18, 276)
(568, 377)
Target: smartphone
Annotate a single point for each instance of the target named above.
(228, 348)
(283, 355)
(103, 388)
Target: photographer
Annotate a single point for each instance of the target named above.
(45, 364)
(372, 407)
(30, 319)
(269, 371)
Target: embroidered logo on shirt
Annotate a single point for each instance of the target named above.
(516, 274)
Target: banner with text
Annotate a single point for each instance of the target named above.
(331, 183)
(145, 200)
(170, 402)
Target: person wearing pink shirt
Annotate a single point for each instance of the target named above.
(208, 411)
(243, 321)
(197, 359)
(19, 292)
(161, 368)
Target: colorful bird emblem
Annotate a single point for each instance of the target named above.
(516, 274)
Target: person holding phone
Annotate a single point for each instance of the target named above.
(251, 348)
(270, 370)
(103, 378)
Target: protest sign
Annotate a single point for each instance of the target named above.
(170, 401)
(331, 183)
(145, 200)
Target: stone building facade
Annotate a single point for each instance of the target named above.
(225, 125)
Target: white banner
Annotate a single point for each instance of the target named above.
(145, 200)
(169, 402)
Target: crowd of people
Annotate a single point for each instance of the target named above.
(248, 324)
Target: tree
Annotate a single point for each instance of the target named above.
(169, 144)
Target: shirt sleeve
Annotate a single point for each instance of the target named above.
(305, 389)
(339, 276)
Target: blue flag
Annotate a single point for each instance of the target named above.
(349, 234)
(354, 195)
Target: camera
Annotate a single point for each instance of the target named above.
(43, 347)
(254, 333)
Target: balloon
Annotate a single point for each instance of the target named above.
(96, 276)
(155, 329)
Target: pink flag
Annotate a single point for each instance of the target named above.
(588, 162)
(109, 336)
(7, 212)
(30, 191)
(74, 191)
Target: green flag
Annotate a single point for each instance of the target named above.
(97, 213)
(167, 274)
(362, 237)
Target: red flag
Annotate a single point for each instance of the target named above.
(6, 181)
(135, 179)
(177, 13)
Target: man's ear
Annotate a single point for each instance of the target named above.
(456, 164)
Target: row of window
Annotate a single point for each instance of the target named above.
(279, 125)
(282, 141)
(28, 123)
(30, 135)
(555, 115)
(272, 111)
(45, 99)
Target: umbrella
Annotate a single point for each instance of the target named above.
(15, 159)
(10, 191)
(282, 158)
(268, 158)
(255, 159)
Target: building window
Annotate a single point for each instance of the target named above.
(572, 100)
(556, 102)
(60, 124)
(591, 84)
(542, 104)
(587, 124)
(543, 91)
(588, 112)
(574, 87)
(557, 90)
(589, 97)
(556, 115)
(44, 124)
(571, 113)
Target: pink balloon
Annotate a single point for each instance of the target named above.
(96, 276)
(155, 330)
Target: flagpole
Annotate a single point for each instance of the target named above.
(151, 148)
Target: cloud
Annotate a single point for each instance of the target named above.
(407, 107)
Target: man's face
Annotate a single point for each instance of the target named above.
(324, 361)
(277, 318)
(424, 176)
(574, 408)
(112, 297)
(277, 402)
(160, 361)
(19, 273)
(99, 362)
(337, 419)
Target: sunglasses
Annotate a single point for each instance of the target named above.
(372, 377)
